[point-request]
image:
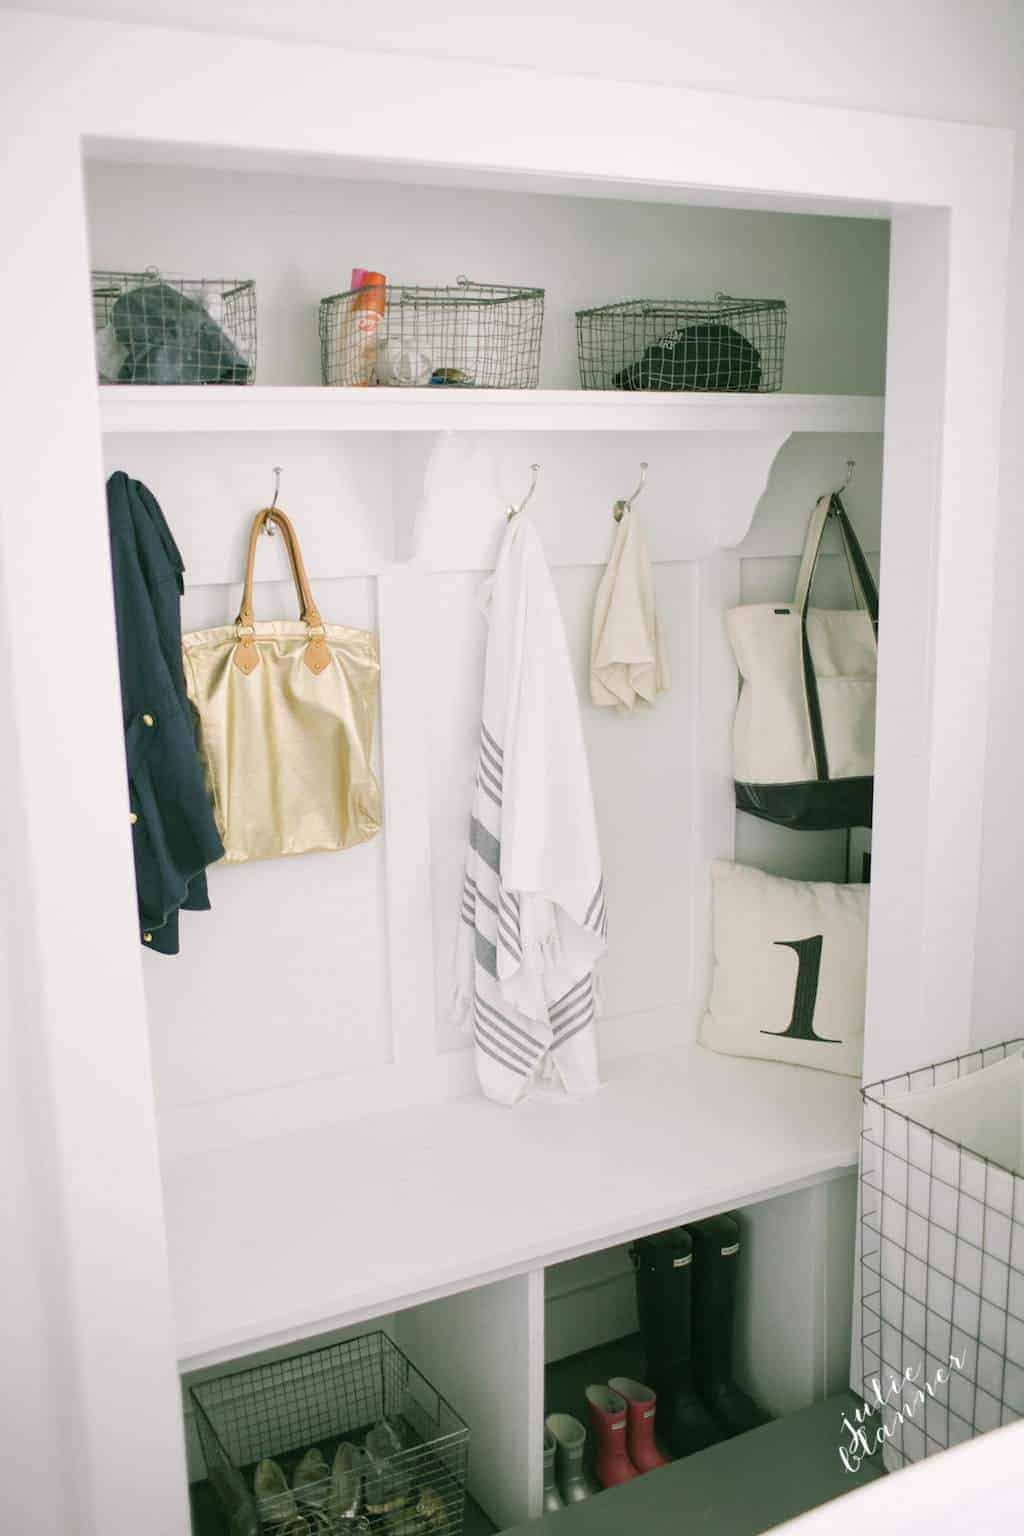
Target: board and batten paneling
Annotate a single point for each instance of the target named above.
(322, 987)
(287, 975)
(337, 487)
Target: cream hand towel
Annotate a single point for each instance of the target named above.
(627, 653)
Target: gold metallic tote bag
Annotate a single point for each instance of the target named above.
(287, 710)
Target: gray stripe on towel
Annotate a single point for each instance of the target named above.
(485, 844)
(482, 782)
(509, 939)
(486, 954)
(569, 998)
(490, 1012)
(502, 1042)
(561, 1039)
(585, 1004)
(508, 1065)
(487, 772)
(485, 733)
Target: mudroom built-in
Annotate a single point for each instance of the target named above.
(368, 1269)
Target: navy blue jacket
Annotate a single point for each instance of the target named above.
(173, 827)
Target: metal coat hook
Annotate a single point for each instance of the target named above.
(268, 526)
(626, 505)
(833, 507)
(512, 512)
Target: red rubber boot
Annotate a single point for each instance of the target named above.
(641, 1407)
(607, 1412)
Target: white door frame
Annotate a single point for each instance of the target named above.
(72, 932)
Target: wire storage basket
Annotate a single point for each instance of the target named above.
(155, 329)
(942, 1254)
(342, 1439)
(679, 344)
(469, 336)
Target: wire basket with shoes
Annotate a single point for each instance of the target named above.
(349, 1439)
(683, 344)
(155, 329)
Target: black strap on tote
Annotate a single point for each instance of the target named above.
(860, 571)
(864, 590)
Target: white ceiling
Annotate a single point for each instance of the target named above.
(939, 58)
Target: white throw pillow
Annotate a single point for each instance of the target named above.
(790, 969)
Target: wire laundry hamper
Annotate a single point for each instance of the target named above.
(683, 344)
(942, 1252)
(470, 336)
(320, 1399)
(155, 329)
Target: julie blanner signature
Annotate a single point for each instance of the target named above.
(899, 1402)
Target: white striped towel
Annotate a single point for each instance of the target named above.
(533, 920)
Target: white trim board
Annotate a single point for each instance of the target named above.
(297, 408)
(350, 168)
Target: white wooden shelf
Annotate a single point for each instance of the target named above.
(294, 1235)
(272, 408)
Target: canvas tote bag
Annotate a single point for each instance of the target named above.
(287, 710)
(804, 733)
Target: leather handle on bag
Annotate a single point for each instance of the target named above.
(316, 656)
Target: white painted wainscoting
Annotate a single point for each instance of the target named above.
(320, 988)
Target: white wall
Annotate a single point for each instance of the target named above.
(935, 58)
(38, 1397)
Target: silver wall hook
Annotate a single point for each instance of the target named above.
(626, 505)
(512, 512)
(268, 526)
(833, 508)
